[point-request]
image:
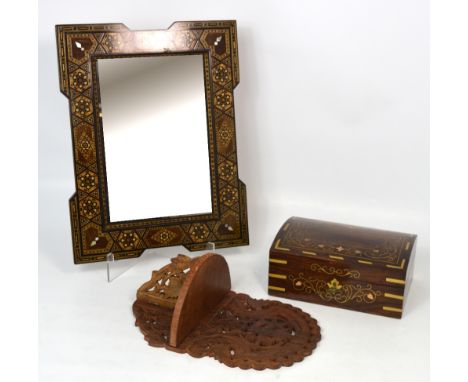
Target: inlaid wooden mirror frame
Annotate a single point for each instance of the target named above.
(93, 235)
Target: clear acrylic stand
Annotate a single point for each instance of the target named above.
(115, 268)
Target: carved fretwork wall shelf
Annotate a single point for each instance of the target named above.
(188, 307)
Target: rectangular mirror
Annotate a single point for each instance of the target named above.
(154, 111)
(153, 129)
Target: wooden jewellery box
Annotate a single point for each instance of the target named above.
(340, 265)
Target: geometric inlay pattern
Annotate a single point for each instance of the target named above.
(94, 235)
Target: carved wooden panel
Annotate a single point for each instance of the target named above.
(239, 332)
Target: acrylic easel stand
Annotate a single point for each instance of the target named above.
(115, 268)
(188, 307)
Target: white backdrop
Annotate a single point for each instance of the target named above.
(332, 123)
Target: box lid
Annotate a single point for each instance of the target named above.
(352, 245)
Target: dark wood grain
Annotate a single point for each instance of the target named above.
(340, 265)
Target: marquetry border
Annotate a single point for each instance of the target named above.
(107, 224)
(93, 236)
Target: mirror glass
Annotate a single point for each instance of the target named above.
(155, 136)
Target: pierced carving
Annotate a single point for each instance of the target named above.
(154, 322)
(258, 334)
(240, 331)
(244, 332)
(163, 288)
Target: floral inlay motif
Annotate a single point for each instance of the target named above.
(79, 80)
(89, 207)
(225, 132)
(334, 285)
(227, 170)
(163, 236)
(199, 232)
(221, 74)
(223, 99)
(333, 290)
(229, 196)
(87, 181)
(85, 146)
(343, 272)
(128, 240)
(82, 107)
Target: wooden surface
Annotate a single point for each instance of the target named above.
(341, 265)
(235, 329)
(207, 283)
(164, 286)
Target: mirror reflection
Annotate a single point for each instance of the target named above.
(155, 136)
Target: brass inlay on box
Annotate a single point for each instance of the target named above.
(279, 289)
(278, 261)
(394, 296)
(401, 266)
(343, 272)
(276, 276)
(391, 309)
(343, 265)
(334, 290)
(277, 246)
(395, 281)
(336, 257)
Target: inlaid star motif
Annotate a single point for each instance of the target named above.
(340, 248)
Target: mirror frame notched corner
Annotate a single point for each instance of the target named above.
(93, 235)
